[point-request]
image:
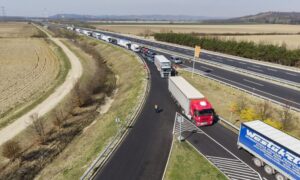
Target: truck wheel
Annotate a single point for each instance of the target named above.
(279, 176)
(257, 162)
(268, 169)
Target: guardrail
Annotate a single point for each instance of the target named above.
(117, 139)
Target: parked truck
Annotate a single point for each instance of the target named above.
(193, 104)
(163, 65)
(105, 38)
(272, 149)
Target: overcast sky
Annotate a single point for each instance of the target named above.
(211, 8)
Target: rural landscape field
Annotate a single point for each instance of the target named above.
(28, 68)
(277, 34)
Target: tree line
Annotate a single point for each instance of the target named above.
(251, 50)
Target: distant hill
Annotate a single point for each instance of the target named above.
(264, 18)
(131, 17)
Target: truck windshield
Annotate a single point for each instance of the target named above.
(166, 69)
(206, 112)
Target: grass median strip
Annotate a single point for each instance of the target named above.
(186, 163)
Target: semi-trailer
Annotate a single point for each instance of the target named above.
(163, 65)
(124, 43)
(193, 104)
(277, 152)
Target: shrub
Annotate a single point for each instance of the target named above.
(11, 149)
(248, 114)
(274, 123)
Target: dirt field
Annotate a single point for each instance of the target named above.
(28, 69)
(291, 41)
(16, 30)
(216, 29)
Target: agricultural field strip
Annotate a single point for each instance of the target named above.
(23, 122)
(234, 168)
(18, 88)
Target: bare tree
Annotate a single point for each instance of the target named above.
(264, 110)
(286, 118)
(38, 126)
(11, 149)
(59, 118)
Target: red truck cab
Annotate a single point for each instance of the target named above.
(202, 112)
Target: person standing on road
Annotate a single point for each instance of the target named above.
(156, 108)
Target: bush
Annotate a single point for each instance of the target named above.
(274, 123)
(263, 52)
(248, 114)
(11, 149)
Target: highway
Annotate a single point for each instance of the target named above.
(280, 94)
(144, 152)
(249, 66)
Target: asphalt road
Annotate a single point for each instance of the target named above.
(144, 152)
(261, 69)
(278, 93)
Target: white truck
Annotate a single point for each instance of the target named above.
(105, 38)
(124, 43)
(278, 153)
(194, 105)
(86, 32)
(163, 65)
(135, 48)
(96, 35)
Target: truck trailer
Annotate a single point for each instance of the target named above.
(124, 43)
(135, 48)
(278, 153)
(163, 65)
(194, 105)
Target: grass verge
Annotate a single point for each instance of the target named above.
(224, 98)
(186, 163)
(75, 159)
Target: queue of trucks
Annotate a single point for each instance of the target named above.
(272, 149)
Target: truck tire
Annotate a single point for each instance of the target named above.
(257, 162)
(268, 169)
(279, 176)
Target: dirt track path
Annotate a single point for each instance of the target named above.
(52, 101)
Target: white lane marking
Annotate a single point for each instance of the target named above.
(214, 157)
(242, 63)
(255, 69)
(256, 66)
(253, 82)
(206, 68)
(234, 168)
(238, 171)
(275, 70)
(238, 176)
(291, 74)
(227, 80)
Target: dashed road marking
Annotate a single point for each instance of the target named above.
(292, 74)
(256, 66)
(275, 70)
(206, 68)
(233, 168)
(242, 63)
(255, 69)
(253, 82)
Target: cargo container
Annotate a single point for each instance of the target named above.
(277, 152)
